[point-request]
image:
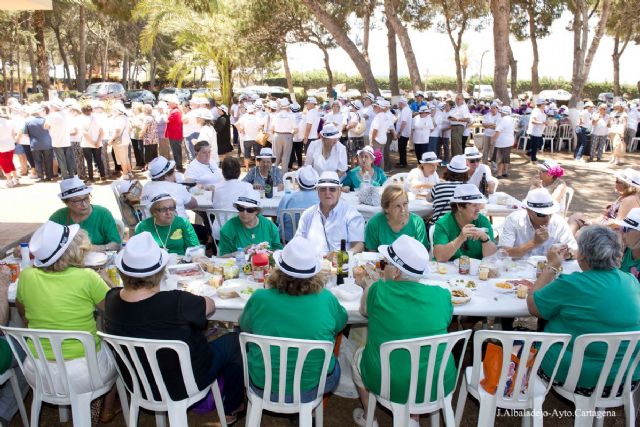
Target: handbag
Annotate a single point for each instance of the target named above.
(361, 126)
(118, 139)
(262, 138)
(492, 364)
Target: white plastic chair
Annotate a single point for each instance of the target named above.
(217, 218)
(525, 138)
(290, 175)
(294, 215)
(587, 405)
(401, 412)
(524, 396)
(47, 384)
(142, 211)
(129, 350)
(257, 404)
(633, 145)
(568, 197)
(10, 375)
(565, 133)
(397, 179)
(549, 134)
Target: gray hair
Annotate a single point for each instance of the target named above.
(600, 247)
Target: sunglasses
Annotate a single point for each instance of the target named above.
(247, 210)
(540, 215)
(474, 160)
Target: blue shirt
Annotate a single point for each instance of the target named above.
(38, 135)
(254, 177)
(299, 199)
(415, 106)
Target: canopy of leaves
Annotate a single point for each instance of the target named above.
(544, 12)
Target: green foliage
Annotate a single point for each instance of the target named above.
(35, 97)
(544, 11)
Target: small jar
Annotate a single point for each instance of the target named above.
(260, 267)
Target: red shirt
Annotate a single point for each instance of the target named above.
(174, 125)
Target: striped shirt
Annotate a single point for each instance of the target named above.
(441, 193)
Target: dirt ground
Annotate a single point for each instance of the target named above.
(594, 190)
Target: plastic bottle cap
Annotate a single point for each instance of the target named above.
(24, 245)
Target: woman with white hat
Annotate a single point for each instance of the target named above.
(425, 176)
(421, 131)
(549, 176)
(258, 175)
(204, 118)
(294, 304)
(172, 232)
(140, 310)
(393, 306)
(96, 220)
(366, 173)
(464, 230)
(120, 141)
(248, 228)
(630, 228)
(617, 125)
(503, 140)
(149, 134)
(457, 173)
(327, 154)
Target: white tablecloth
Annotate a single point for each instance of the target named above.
(509, 204)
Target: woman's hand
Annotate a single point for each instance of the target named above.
(345, 189)
(257, 187)
(479, 234)
(555, 256)
(468, 232)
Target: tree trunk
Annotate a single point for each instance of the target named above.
(287, 73)
(105, 62)
(327, 67)
(343, 40)
(4, 75)
(125, 70)
(63, 55)
(393, 59)
(456, 57)
(405, 42)
(366, 23)
(500, 12)
(513, 65)
(617, 53)
(535, 81)
(32, 62)
(41, 52)
(152, 72)
(225, 72)
(81, 77)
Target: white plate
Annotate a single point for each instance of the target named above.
(95, 259)
(504, 290)
(347, 292)
(246, 293)
(461, 300)
(463, 284)
(234, 285)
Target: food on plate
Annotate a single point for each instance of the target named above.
(442, 269)
(205, 263)
(458, 293)
(504, 285)
(186, 270)
(216, 280)
(231, 272)
(524, 282)
(227, 293)
(462, 283)
(460, 296)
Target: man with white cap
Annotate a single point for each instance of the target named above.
(368, 114)
(393, 306)
(248, 126)
(283, 126)
(630, 227)
(418, 102)
(190, 126)
(489, 123)
(40, 143)
(422, 179)
(174, 132)
(59, 129)
(457, 173)
(478, 171)
(378, 131)
(503, 140)
(311, 121)
(536, 127)
(332, 219)
(533, 230)
(403, 129)
(421, 127)
(264, 168)
(307, 178)
(162, 173)
(583, 130)
(459, 117)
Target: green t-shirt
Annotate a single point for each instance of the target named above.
(353, 179)
(404, 310)
(628, 264)
(312, 317)
(100, 224)
(176, 238)
(447, 230)
(63, 300)
(234, 235)
(590, 302)
(379, 233)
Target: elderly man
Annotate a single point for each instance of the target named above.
(311, 121)
(40, 143)
(59, 129)
(258, 175)
(489, 123)
(478, 171)
(459, 117)
(403, 129)
(332, 220)
(532, 231)
(583, 130)
(307, 178)
(536, 127)
(283, 126)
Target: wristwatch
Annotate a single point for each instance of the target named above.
(485, 241)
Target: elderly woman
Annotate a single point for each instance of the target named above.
(327, 154)
(581, 303)
(426, 311)
(248, 228)
(366, 172)
(172, 232)
(140, 310)
(258, 175)
(295, 305)
(549, 177)
(201, 170)
(425, 176)
(149, 134)
(120, 140)
(630, 227)
(394, 220)
(96, 220)
(464, 230)
(457, 173)
(204, 119)
(59, 294)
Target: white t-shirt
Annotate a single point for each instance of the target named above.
(91, 125)
(325, 233)
(190, 125)
(208, 133)
(539, 116)
(517, 230)
(584, 119)
(203, 174)
(459, 112)
(368, 114)
(490, 119)
(405, 116)
(18, 126)
(437, 118)
(422, 127)
(121, 126)
(250, 124)
(337, 160)
(179, 192)
(633, 116)
(380, 123)
(355, 117)
(227, 192)
(283, 122)
(416, 177)
(298, 119)
(6, 135)
(445, 123)
(58, 129)
(313, 117)
(600, 128)
(506, 127)
(337, 119)
(477, 175)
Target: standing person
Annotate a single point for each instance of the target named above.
(149, 134)
(23, 149)
(459, 117)
(58, 126)
(583, 130)
(633, 117)
(503, 140)
(536, 127)
(222, 125)
(120, 141)
(421, 132)
(91, 142)
(356, 128)
(283, 126)
(378, 131)
(248, 127)
(234, 115)
(135, 132)
(617, 126)
(190, 125)
(312, 120)
(7, 147)
(403, 129)
(208, 133)
(161, 126)
(297, 145)
(106, 122)
(419, 102)
(599, 121)
(444, 144)
(489, 123)
(173, 131)
(75, 132)
(434, 136)
(40, 144)
(368, 113)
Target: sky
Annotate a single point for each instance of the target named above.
(434, 54)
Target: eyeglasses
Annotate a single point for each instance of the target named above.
(329, 189)
(166, 210)
(80, 202)
(541, 215)
(247, 210)
(474, 160)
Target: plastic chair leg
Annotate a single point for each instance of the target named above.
(306, 417)
(447, 412)
(133, 413)
(400, 415)
(599, 421)
(80, 408)
(254, 412)
(319, 415)
(217, 398)
(487, 413)
(434, 419)
(124, 400)
(36, 404)
(630, 409)
(371, 409)
(583, 407)
(18, 395)
(161, 419)
(177, 413)
(462, 400)
(63, 413)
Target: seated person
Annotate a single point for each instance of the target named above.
(140, 310)
(162, 173)
(425, 311)
(599, 299)
(307, 178)
(365, 171)
(248, 228)
(96, 220)
(294, 305)
(457, 173)
(394, 220)
(464, 230)
(332, 219)
(425, 175)
(201, 170)
(227, 192)
(327, 154)
(257, 176)
(172, 232)
(630, 227)
(549, 177)
(533, 230)
(477, 170)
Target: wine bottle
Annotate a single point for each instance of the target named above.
(268, 187)
(342, 260)
(483, 184)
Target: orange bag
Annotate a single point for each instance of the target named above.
(492, 365)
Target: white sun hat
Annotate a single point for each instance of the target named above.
(548, 164)
(160, 166)
(251, 108)
(540, 101)
(158, 194)
(458, 164)
(203, 113)
(357, 104)
(328, 179)
(506, 110)
(472, 153)
(251, 200)
(284, 102)
(429, 157)
(424, 109)
(630, 177)
(330, 131)
(539, 200)
(50, 241)
(142, 257)
(272, 105)
(367, 149)
(467, 193)
(297, 260)
(295, 107)
(125, 186)
(408, 255)
(311, 100)
(73, 187)
(307, 177)
(632, 220)
(265, 153)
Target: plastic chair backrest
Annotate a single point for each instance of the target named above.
(397, 179)
(290, 175)
(47, 380)
(565, 132)
(304, 347)
(142, 211)
(568, 197)
(415, 346)
(550, 130)
(628, 365)
(432, 229)
(293, 214)
(520, 387)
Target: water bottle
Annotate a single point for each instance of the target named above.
(366, 179)
(25, 260)
(240, 258)
(287, 186)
